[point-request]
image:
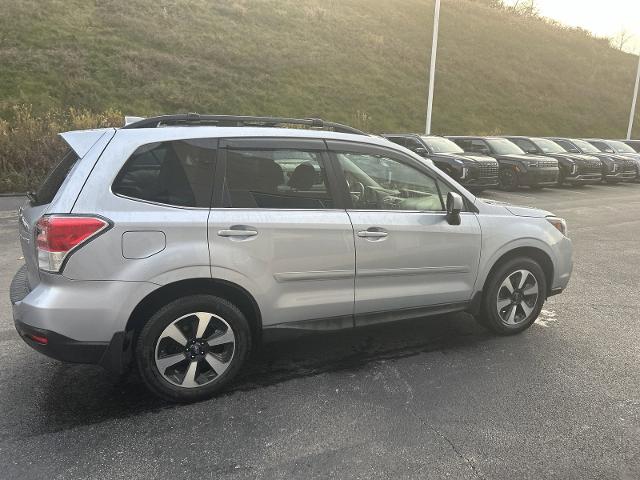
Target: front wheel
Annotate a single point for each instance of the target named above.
(508, 179)
(514, 295)
(192, 347)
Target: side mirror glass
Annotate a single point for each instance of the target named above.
(454, 207)
(421, 151)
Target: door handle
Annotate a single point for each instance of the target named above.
(372, 234)
(237, 233)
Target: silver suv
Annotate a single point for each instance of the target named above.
(175, 242)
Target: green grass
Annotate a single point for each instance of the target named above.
(362, 62)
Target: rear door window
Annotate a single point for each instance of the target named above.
(282, 179)
(178, 173)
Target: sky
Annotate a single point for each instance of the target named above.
(605, 18)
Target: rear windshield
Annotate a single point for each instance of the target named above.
(52, 183)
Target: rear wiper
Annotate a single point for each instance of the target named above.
(33, 198)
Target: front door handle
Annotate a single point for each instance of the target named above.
(237, 233)
(372, 234)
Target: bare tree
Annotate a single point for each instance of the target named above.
(621, 39)
(526, 8)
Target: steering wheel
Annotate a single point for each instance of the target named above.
(356, 189)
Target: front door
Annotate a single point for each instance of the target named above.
(278, 230)
(409, 259)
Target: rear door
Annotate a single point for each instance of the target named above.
(409, 260)
(279, 229)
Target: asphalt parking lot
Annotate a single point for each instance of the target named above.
(433, 398)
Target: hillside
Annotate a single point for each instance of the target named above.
(362, 62)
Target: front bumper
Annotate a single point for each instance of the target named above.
(584, 179)
(539, 176)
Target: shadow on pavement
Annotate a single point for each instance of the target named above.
(75, 395)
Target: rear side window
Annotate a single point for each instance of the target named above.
(178, 172)
(53, 182)
(286, 179)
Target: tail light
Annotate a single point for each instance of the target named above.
(57, 236)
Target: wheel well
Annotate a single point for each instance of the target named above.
(167, 293)
(531, 252)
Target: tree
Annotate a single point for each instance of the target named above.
(621, 39)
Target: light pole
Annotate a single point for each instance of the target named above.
(633, 102)
(432, 68)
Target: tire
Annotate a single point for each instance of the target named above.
(499, 320)
(212, 356)
(508, 179)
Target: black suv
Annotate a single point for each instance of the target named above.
(619, 148)
(575, 168)
(474, 171)
(615, 168)
(516, 167)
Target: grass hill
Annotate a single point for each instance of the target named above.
(362, 62)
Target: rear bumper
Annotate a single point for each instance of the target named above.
(82, 321)
(60, 347)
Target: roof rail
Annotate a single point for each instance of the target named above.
(195, 119)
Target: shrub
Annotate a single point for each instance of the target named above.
(29, 143)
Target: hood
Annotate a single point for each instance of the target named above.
(476, 157)
(576, 157)
(519, 211)
(523, 157)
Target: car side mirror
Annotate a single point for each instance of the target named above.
(531, 150)
(421, 151)
(454, 207)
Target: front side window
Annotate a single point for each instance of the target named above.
(479, 146)
(442, 145)
(548, 146)
(502, 146)
(377, 182)
(524, 144)
(603, 147)
(283, 179)
(621, 147)
(586, 147)
(569, 147)
(178, 173)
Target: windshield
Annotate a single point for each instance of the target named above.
(441, 145)
(586, 147)
(620, 147)
(502, 146)
(548, 146)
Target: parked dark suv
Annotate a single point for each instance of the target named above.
(575, 168)
(615, 168)
(516, 167)
(619, 148)
(474, 171)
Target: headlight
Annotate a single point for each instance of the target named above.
(559, 223)
(465, 172)
(574, 169)
(532, 164)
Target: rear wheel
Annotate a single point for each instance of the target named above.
(514, 295)
(508, 179)
(192, 347)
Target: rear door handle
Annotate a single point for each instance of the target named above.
(237, 233)
(372, 234)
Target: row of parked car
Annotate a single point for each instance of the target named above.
(508, 162)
